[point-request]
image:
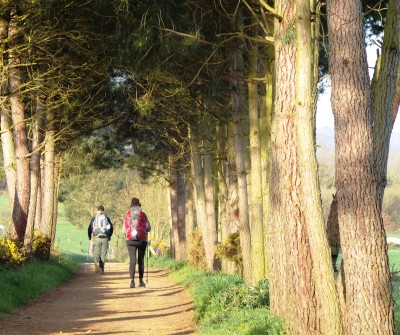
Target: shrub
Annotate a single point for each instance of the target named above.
(231, 250)
(160, 248)
(41, 246)
(196, 254)
(10, 253)
(209, 287)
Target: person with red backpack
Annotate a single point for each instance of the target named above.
(136, 227)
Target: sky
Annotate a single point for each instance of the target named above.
(324, 110)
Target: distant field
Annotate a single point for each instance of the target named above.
(4, 210)
(70, 238)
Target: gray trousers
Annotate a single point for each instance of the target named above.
(100, 247)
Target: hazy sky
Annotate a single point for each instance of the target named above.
(324, 111)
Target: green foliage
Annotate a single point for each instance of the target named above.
(23, 284)
(160, 248)
(41, 246)
(231, 250)
(196, 254)
(167, 263)
(245, 322)
(209, 288)
(5, 212)
(223, 303)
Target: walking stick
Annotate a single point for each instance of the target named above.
(148, 251)
(108, 253)
(87, 257)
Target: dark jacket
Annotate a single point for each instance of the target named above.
(90, 228)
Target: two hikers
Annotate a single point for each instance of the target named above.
(100, 231)
(136, 227)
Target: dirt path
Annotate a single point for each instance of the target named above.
(104, 304)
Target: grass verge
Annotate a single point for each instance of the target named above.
(223, 303)
(21, 285)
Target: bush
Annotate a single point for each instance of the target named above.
(209, 287)
(160, 248)
(196, 254)
(231, 250)
(41, 246)
(11, 254)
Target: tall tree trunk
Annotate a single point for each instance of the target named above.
(39, 201)
(369, 306)
(177, 194)
(327, 308)
(21, 200)
(384, 90)
(9, 161)
(238, 111)
(7, 141)
(190, 217)
(200, 196)
(225, 222)
(181, 252)
(49, 178)
(35, 176)
(173, 209)
(256, 194)
(57, 184)
(265, 134)
(291, 278)
(210, 201)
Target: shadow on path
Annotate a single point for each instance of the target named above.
(104, 304)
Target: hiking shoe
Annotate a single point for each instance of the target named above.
(142, 284)
(132, 284)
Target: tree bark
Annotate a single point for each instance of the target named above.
(7, 141)
(49, 178)
(265, 134)
(35, 176)
(328, 311)
(369, 306)
(21, 200)
(384, 91)
(256, 194)
(200, 196)
(291, 277)
(177, 194)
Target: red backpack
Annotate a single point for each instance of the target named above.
(136, 224)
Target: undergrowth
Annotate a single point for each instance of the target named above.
(223, 303)
(31, 280)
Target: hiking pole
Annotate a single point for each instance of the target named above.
(148, 251)
(108, 253)
(87, 257)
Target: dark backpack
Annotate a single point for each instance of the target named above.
(101, 225)
(136, 229)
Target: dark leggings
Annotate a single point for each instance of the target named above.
(141, 247)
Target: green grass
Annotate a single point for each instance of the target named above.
(71, 239)
(4, 210)
(223, 303)
(21, 285)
